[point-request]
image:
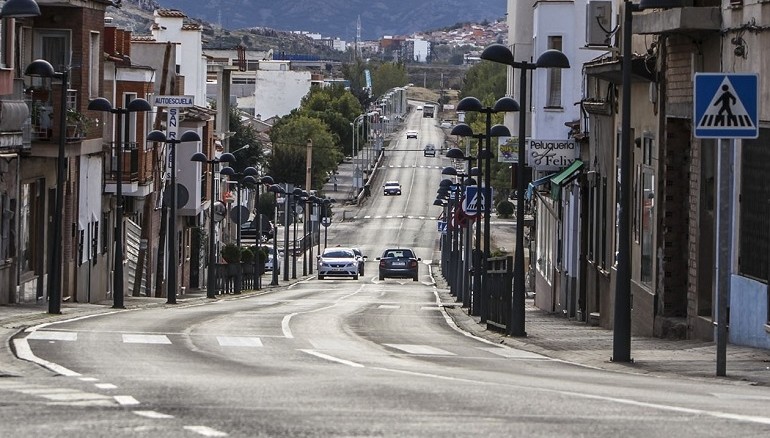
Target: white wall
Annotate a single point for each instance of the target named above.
(189, 54)
(279, 92)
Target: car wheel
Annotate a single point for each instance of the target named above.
(415, 278)
(382, 278)
(355, 277)
(320, 277)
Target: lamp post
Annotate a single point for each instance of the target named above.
(549, 59)
(247, 176)
(266, 180)
(104, 105)
(200, 157)
(42, 68)
(459, 282)
(505, 104)
(296, 195)
(276, 190)
(171, 275)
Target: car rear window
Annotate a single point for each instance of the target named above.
(338, 254)
(399, 253)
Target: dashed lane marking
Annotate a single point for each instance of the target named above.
(420, 349)
(239, 341)
(145, 339)
(388, 306)
(205, 431)
(126, 400)
(511, 353)
(105, 386)
(153, 414)
(45, 335)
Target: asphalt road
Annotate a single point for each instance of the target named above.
(344, 357)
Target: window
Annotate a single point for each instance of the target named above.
(54, 47)
(546, 232)
(591, 217)
(603, 233)
(94, 75)
(554, 76)
(130, 142)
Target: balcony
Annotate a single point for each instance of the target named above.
(136, 176)
(688, 20)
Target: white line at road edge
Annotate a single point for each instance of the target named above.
(658, 406)
(25, 353)
(287, 319)
(332, 358)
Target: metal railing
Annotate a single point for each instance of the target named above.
(498, 290)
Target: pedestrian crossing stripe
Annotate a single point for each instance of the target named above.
(726, 105)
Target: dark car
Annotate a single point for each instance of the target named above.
(249, 230)
(391, 188)
(399, 263)
(429, 150)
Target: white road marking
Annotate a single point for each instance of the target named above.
(24, 352)
(53, 336)
(512, 353)
(126, 400)
(332, 358)
(388, 306)
(75, 396)
(287, 319)
(239, 341)
(105, 386)
(420, 349)
(145, 339)
(89, 379)
(430, 308)
(205, 431)
(152, 414)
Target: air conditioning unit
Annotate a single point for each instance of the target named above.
(599, 24)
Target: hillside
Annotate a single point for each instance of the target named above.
(338, 18)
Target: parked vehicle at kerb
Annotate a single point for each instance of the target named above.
(249, 229)
(337, 262)
(391, 188)
(272, 260)
(361, 260)
(399, 263)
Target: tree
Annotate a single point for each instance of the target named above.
(244, 134)
(289, 136)
(388, 75)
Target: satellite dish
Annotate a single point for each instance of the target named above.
(182, 196)
(244, 214)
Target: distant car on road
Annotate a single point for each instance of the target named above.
(391, 188)
(338, 262)
(249, 230)
(446, 124)
(429, 150)
(419, 107)
(399, 263)
(411, 134)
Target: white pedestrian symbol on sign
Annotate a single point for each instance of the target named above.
(725, 110)
(474, 201)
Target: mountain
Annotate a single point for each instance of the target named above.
(338, 18)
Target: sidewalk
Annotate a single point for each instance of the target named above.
(555, 336)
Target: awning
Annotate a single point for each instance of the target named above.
(564, 177)
(535, 184)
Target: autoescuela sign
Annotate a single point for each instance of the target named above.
(550, 154)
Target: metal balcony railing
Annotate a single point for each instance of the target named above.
(130, 162)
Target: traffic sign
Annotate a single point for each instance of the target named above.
(474, 199)
(441, 225)
(726, 105)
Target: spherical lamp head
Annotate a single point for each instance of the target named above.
(552, 58)
(469, 103)
(498, 53)
(156, 135)
(462, 129)
(100, 104)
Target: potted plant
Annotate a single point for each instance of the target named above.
(78, 124)
(232, 255)
(260, 258)
(247, 260)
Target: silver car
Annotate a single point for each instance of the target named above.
(338, 262)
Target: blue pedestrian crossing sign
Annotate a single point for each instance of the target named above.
(474, 200)
(726, 105)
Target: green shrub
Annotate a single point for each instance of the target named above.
(231, 253)
(505, 209)
(247, 256)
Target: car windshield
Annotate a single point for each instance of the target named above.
(338, 254)
(391, 184)
(398, 253)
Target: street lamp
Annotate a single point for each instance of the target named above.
(505, 104)
(266, 180)
(276, 190)
(200, 157)
(20, 9)
(247, 176)
(549, 59)
(160, 137)
(42, 68)
(295, 195)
